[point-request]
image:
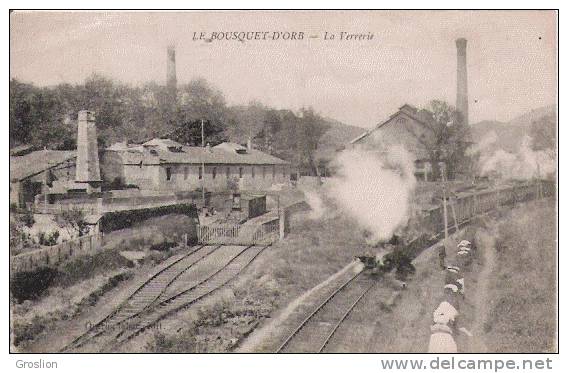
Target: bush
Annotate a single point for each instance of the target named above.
(123, 219)
(111, 283)
(28, 219)
(28, 331)
(31, 285)
(163, 246)
(48, 239)
(87, 266)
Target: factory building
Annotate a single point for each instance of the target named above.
(165, 165)
(58, 171)
(40, 171)
(408, 126)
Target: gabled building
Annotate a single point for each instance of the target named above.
(407, 127)
(37, 172)
(165, 165)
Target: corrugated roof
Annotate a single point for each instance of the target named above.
(221, 154)
(33, 163)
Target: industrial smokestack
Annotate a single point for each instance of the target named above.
(461, 97)
(171, 73)
(88, 173)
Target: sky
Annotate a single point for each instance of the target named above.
(411, 57)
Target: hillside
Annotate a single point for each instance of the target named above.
(508, 135)
(335, 138)
(250, 120)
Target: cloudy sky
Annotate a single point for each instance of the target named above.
(410, 59)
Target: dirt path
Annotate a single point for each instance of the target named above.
(481, 290)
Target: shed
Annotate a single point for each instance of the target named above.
(253, 205)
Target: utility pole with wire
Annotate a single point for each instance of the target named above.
(203, 163)
(445, 202)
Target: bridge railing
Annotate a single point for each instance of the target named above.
(239, 234)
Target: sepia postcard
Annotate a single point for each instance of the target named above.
(271, 181)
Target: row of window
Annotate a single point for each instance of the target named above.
(227, 172)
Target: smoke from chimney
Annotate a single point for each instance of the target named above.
(461, 97)
(171, 73)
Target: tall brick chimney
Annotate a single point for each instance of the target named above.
(171, 73)
(88, 174)
(461, 97)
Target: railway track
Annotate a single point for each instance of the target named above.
(157, 298)
(315, 331)
(187, 297)
(144, 295)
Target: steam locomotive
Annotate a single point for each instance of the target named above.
(467, 204)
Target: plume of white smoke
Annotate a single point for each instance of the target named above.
(317, 206)
(522, 165)
(375, 189)
(483, 144)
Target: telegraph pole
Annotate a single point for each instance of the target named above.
(538, 185)
(203, 163)
(445, 202)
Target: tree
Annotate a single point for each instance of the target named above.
(311, 129)
(74, 221)
(543, 133)
(446, 140)
(21, 115)
(199, 101)
(47, 117)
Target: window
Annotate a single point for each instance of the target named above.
(168, 173)
(283, 171)
(228, 172)
(200, 173)
(263, 172)
(252, 171)
(240, 172)
(214, 172)
(185, 172)
(273, 171)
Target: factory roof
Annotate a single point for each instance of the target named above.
(405, 109)
(163, 151)
(162, 143)
(33, 163)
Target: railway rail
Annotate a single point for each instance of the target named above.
(144, 294)
(319, 327)
(155, 300)
(152, 301)
(314, 332)
(187, 297)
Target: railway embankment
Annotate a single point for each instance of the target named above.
(515, 309)
(509, 289)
